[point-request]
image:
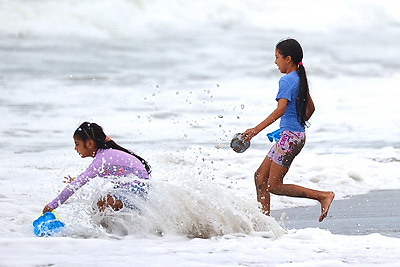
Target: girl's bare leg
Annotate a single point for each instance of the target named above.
(109, 201)
(261, 181)
(276, 186)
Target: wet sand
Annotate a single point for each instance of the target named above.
(375, 212)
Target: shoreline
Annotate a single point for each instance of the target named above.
(374, 212)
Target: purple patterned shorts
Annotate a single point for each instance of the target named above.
(287, 148)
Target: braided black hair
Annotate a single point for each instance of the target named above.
(92, 131)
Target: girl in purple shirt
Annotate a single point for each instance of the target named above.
(126, 170)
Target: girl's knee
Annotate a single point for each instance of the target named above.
(271, 189)
(260, 183)
(114, 203)
(109, 201)
(259, 179)
(275, 188)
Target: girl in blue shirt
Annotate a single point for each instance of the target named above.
(295, 107)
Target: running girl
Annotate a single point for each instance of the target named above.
(295, 107)
(126, 170)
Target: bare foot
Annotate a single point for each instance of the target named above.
(325, 204)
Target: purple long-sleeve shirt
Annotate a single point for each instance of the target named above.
(106, 163)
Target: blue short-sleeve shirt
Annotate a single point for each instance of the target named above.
(289, 89)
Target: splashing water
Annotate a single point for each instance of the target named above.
(196, 209)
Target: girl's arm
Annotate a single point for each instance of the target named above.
(68, 191)
(276, 114)
(310, 107)
(74, 185)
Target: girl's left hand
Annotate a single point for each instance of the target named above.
(68, 179)
(249, 133)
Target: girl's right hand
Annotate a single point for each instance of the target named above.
(68, 179)
(249, 133)
(47, 209)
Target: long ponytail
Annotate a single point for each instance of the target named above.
(92, 131)
(302, 98)
(292, 48)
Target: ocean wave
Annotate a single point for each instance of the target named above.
(130, 18)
